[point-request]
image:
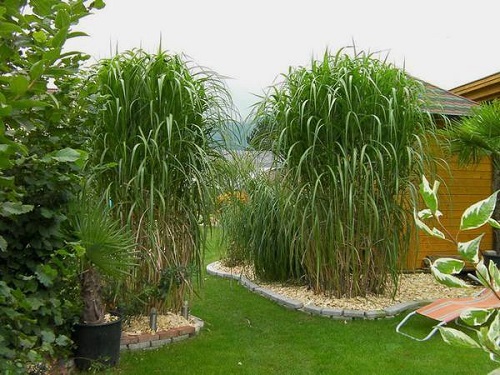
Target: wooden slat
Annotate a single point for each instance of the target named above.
(460, 188)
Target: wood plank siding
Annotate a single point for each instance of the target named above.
(482, 90)
(460, 187)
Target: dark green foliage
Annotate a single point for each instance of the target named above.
(476, 137)
(39, 175)
(105, 248)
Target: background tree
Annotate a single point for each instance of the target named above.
(476, 137)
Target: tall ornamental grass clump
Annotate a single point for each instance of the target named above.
(351, 133)
(153, 151)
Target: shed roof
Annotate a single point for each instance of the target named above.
(482, 89)
(443, 102)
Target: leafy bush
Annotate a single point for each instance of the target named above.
(39, 174)
(484, 322)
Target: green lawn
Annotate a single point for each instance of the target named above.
(247, 334)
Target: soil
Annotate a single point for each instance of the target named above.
(412, 287)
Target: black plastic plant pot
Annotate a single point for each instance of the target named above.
(491, 255)
(97, 346)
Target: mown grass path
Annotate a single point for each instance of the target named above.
(247, 334)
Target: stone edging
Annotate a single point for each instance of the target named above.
(160, 338)
(340, 314)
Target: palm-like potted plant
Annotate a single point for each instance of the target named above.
(104, 247)
(474, 138)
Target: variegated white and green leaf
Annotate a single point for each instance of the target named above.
(425, 214)
(470, 250)
(476, 317)
(447, 279)
(494, 223)
(479, 213)
(429, 195)
(448, 266)
(457, 338)
(482, 273)
(434, 232)
(494, 330)
(494, 275)
(485, 340)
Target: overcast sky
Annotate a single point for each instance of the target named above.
(444, 42)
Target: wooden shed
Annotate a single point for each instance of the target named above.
(482, 90)
(460, 187)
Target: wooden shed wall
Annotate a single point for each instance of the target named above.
(460, 187)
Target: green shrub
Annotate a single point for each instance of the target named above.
(39, 175)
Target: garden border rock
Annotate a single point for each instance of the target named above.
(158, 339)
(339, 314)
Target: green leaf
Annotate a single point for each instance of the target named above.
(437, 233)
(494, 330)
(476, 317)
(14, 208)
(429, 194)
(422, 226)
(46, 213)
(69, 155)
(27, 342)
(8, 28)
(494, 275)
(42, 7)
(62, 19)
(35, 303)
(46, 274)
(448, 280)
(60, 38)
(494, 223)
(470, 250)
(28, 104)
(19, 84)
(48, 336)
(485, 340)
(482, 273)
(425, 214)
(98, 4)
(37, 70)
(479, 213)
(457, 338)
(40, 37)
(63, 340)
(3, 244)
(77, 34)
(448, 266)
(5, 110)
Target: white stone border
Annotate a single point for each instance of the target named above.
(292, 304)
